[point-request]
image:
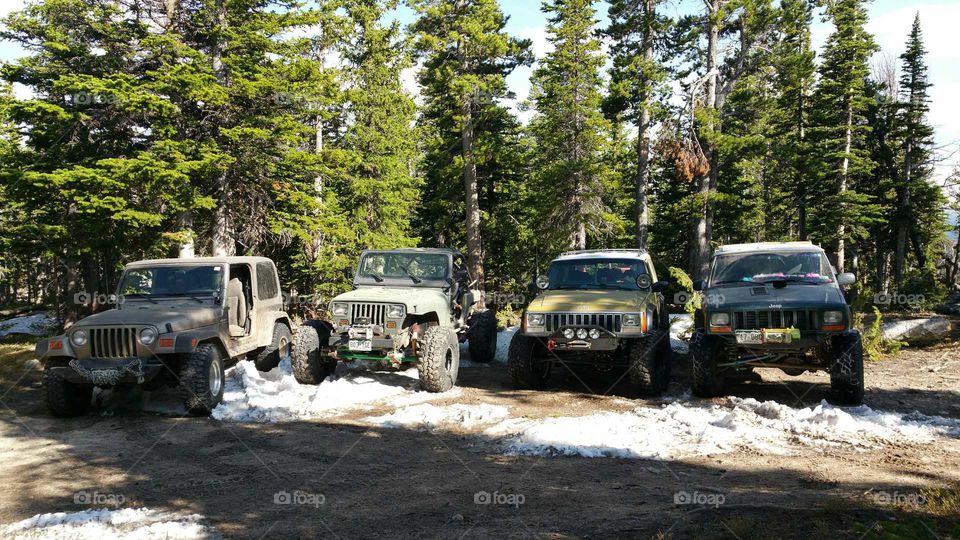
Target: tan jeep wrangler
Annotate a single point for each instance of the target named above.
(178, 323)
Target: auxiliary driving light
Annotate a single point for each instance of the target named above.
(582, 333)
(594, 333)
(569, 333)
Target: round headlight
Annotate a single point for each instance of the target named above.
(340, 309)
(594, 333)
(582, 333)
(720, 319)
(543, 282)
(395, 311)
(644, 281)
(79, 337)
(569, 333)
(148, 335)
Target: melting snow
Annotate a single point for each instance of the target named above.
(131, 523)
(427, 416)
(685, 429)
(34, 324)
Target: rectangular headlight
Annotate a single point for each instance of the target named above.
(339, 309)
(396, 311)
(534, 319)
(832, 317)
(631, 319)
(719, 319)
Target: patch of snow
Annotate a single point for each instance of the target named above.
(427, 416)
(682, 429)
(130, 523)
(503, 345)
(681, 327)
(34, 324)
(276, 396)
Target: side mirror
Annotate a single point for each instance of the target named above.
(846, 278)
(698, 285)
(542, 282)
(660, 286)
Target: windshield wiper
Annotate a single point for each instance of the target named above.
(736, 282)
(180, 295)
(612, 286)
(413, 277)
(377, 277)
(141, 295)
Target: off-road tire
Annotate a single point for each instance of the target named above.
(64, 398)
(525, 372)
(309, 359)
(195, 379)
(439, 359)
(650, 362)
(269, 357)
(482, 340)
(707, 379)
(846, 368)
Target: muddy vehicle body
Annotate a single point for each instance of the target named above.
(602, 308)
(177, 323)
(408, 307)
(775, 305)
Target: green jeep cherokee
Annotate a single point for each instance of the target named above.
(775, 305)
(602, 308)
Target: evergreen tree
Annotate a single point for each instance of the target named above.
(842, 162)
(569, 129)
(467, 56)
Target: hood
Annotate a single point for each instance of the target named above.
(767, 297)
(179, 315)
(416, 299)
(579, 301)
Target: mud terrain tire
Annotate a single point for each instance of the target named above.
(707, 379)
(650, 363)
(309, 359)
(66, 399)
(439, 359)
(522, 365)
(199, 393)
(846, 368)
(269, 357)
(483, 337)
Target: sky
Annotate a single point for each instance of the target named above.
(890, 22)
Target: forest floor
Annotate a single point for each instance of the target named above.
(780, 462)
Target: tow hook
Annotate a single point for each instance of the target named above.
(551, 344)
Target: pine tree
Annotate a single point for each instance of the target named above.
(382, 191)
(842, 161)
(636, 80)
(467, 56)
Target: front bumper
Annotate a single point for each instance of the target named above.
(112, 371)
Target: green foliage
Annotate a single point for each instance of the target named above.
(875, 346)
(680, 281)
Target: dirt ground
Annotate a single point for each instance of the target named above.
(378, 482)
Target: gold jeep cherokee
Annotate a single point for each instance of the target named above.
(603, 308)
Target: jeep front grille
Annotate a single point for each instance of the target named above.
(113, 342)
(611, 322)
(775, 318)
(376, 313)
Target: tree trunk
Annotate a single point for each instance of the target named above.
(643, 128)
(842, 227)
(186, 250)
(903, 224)
(703, 224)
(224, 239)
(474, 243)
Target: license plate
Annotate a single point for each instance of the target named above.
(750, 337)
(364, 345)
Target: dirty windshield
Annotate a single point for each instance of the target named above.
(198, 281)
(802, 267)
(404, 265)
(596, 274)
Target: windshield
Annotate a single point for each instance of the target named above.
(596, 274)
(804, 267)
(171, 281)
(404, 265)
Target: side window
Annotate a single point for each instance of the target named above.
(266, 281)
